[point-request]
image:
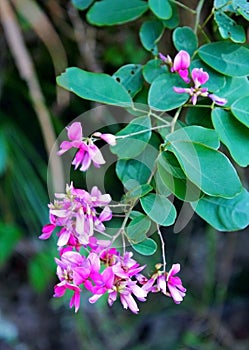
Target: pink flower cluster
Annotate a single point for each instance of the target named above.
(75, 214)
(198, 77)
(88, 259)
(102, 269)
(87, 151)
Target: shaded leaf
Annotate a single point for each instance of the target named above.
(130, 76)
(159, 209)
(227, 58)
(233, 134)
(161, 8)
(97, 87)
(147, 247)
(240, 110)
(111, 12)
(185, 39)
(224, 214)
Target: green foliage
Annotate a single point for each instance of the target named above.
(82, 4)
(240, 111)
(185, 39)
(233, 134)
(94, 87)
(137, 229)
(130, 77)
(152, 69)
(109, 12)
(159, 209)
(225, 214)
(150, 33)
(162, 97)
(131, 146)
(161, 8)
(147, 247)
(227, 58)
(228, 28)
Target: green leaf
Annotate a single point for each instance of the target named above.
(233, 134)
(173, 21)
(216, 80)
(228, 28)
(224, 214)
(196, 134)
(133, 145)
(240, 110)
(242, 8)
(132, 173)
(174, 179)
(185, 39)
(205, 167)
(109, 12)
(161, 8)
(137, 229)
(97, 87)
(234, 88)
(162, 96)
(223, 4)
(150, 33)
(159, 209)
(136, 172)
(147, 247)
(160, 186)
(153, 69)
(130, 77)
(200, 116)
(227, 58)
(139, 191)
(10, 235)
(82, 4)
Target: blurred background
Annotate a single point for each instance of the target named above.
(38, 40)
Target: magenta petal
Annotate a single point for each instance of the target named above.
(181, 61)
(199, 76)
(74, 131)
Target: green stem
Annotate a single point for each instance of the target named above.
(198, 14)
(184, 6)
(176, 116)
(162, 248)
(143, 131)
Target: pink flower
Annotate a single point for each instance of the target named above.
(108, 138)
(199, 77)
(181, 64)
(87, 151)
(174, 283)
(75, 213)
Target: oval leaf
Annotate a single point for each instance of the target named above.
(185, 39)
(233, 134)
(161, 8)
(159, 209)
(224, 214)
(147, 247)
(150, 33)
(162, 96)
(228, 28)
(111, 12)
(132, 173)
(153, 69)
(82, 4)
(97, 87)
(137, 229)
(173, 178)
(205, 167)
(234, 89)
(240, 110)
(130, 147)
(130, 76)
(227, 58)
